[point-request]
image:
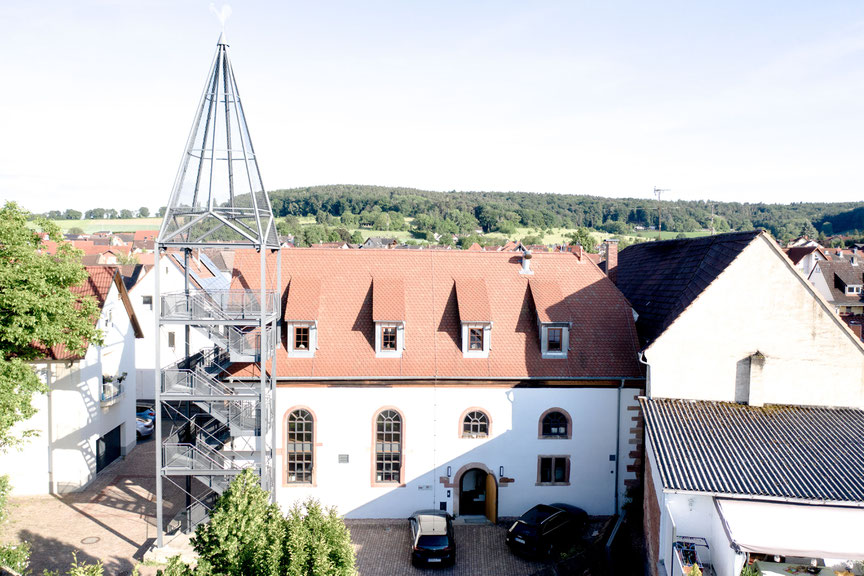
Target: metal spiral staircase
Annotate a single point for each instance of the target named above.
(209, 425)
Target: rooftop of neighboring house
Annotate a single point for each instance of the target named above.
(798, 253)
(805, 453)
(433, 292)
(661, 279)
(378, 242)
(97, 285)
(841, 275)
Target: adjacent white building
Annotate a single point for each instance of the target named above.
(87, 419)
(755, 393)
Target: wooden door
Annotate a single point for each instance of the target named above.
(491, 499)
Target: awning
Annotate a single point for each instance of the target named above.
(810, 531)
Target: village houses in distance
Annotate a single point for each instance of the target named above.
(712, 387)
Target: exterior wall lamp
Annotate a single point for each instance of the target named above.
(500, 471)
(448, 472)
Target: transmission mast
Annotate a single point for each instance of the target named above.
(657, 192)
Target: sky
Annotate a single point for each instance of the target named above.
(731, 101)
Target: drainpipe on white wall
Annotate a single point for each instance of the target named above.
(618, 444)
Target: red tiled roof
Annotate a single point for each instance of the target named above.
(97, 285)
(547, 300)
(603, 341)
(142, 235)
(304, 293)
(473, 300)
(388, 299)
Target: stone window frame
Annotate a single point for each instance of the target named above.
(464, 417)
(374, 471)
(285, 482)
(553, 458)
(543, 416)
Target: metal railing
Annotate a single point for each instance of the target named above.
(198, 382)
(217, 305)
(195, 457)
(111, 393)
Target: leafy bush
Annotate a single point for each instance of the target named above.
(246, 535)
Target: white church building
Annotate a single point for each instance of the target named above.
(477, 382)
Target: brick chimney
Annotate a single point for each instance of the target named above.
(611, 258)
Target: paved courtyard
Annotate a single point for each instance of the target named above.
(114, 521)
(383, 549)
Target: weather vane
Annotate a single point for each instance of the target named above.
(222, 14)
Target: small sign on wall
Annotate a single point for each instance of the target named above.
(424, 487)
(343, 458)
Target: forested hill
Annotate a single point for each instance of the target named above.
(464, 212)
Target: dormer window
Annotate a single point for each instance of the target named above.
(301, 337)
(553, 318)
(554, 339)
(475, 339)
(301, 317)
(388, 313)
(476, 317)
(853, 289)
(388, 338)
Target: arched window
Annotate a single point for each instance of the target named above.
(475, 425)
(388, 447)
(299, 443)
(554, 425)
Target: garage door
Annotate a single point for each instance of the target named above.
(107, 449)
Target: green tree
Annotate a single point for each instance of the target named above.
(382, 222)
(13, 556)
(356, 237)
(317, 542)
(583, 237)
(127, 259)
(37, 311)
(126, 214)
(161, 212)
(245, 534)
(143, 212)
(71, 214)
(75, 230)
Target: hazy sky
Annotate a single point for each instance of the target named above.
(733, 100)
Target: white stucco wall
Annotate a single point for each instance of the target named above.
(759, 303)
(71, 418)
(432, 442)
(696, 515)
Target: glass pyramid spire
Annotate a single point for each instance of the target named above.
(218, 197)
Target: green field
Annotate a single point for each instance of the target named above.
(554, 236)
(652, 234)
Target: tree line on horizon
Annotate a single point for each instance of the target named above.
(436, 214)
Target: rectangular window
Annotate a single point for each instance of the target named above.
(388, 338)
(171, 339)
(553, 470)
(553, 339)
(301, 337)
(475, 339)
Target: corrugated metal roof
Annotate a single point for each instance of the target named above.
(780, 452)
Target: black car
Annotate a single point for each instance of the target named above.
(546, 528)
(432, 539)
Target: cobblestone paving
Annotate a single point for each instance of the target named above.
(383, 549)
(117, 511)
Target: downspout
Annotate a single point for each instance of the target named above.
(618, 443)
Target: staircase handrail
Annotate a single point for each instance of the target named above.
(223, 304)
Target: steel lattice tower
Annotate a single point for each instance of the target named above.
(216, 428)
